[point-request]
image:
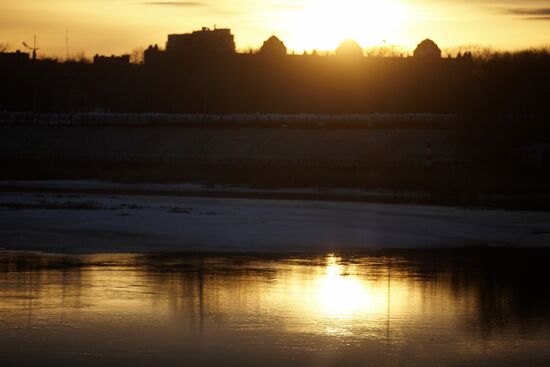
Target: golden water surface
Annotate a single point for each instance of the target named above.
(244, 310)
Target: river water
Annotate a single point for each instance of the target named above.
(468, 307)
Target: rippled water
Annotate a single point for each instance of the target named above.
(393, 308)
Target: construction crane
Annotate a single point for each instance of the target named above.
(33, 48)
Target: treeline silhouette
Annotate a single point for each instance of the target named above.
(493, 86)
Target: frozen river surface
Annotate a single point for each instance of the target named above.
(117, 223)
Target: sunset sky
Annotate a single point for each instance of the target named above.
(118, 26)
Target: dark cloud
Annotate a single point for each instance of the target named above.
(181, 4)
(530, 13)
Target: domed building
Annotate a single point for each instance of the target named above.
(427, 49)
(349, 48)
(273, 46)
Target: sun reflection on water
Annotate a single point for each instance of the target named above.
(342, 295)
(321, 304)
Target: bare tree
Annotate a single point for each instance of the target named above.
(477, 51)
(81, 56)
(4, 46)
(137, 55)
(386, 51)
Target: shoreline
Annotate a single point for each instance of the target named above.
(531, 202)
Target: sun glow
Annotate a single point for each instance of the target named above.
(323, 24)
(342, 296)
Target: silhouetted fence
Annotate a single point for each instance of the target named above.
(378, 119)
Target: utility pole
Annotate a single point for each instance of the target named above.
(33, 48)
(67, 44)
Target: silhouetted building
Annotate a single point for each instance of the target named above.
(349, 48)
(273, 46)
(14, 57)
(112, 60)
(152, 55)
(427, 49)
(205, 41)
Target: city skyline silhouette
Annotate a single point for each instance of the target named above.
(118, 27)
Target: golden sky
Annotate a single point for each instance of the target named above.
(118, 26)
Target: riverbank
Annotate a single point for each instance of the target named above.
(440, 166)
(533, 202)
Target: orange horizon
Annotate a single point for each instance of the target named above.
(100, 27)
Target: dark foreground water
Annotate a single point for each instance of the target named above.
(471, 307)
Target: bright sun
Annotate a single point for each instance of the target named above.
(323, 24)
